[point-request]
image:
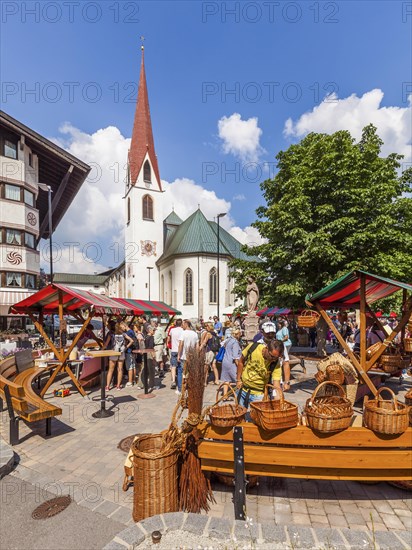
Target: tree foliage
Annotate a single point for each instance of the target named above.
(334, 205)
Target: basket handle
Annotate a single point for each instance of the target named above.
(224, 397)
(379, 398)
(278, 392)
(341, 390)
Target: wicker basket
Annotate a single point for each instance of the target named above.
(385, 416)
(408, 397)
(228, 414)
(308, 318)
(274, 414)
(391, 363)
(372, 350)
(155, 477)
(320, 377)
(329, 413)
(334, 373)
(407, 345)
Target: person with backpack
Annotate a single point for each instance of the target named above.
(210, 342)
(259, 365)
(116, 341)
(130, 357)
(230, 361)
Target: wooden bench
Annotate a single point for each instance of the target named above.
(353, 454)
(17, 374)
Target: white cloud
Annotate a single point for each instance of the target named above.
(83, 258)
(98, 209)
(248, 235)
(239, 197)
(354, 113)
(241, 137)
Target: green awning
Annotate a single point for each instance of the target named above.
(345, 291)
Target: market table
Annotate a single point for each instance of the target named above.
(104, 354)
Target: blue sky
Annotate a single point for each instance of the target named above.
(282, 58)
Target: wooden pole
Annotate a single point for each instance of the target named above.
(345, 346)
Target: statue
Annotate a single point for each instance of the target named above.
(252, 292)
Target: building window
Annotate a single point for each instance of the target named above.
(128, 210)
(13, 236)
(188, 286)
(148, 208)
(29, 240)
(10, 149)
(170, 289)
(13, 279)
(12, 192)
(31, 160)
(213, 286)
(162, 288)
(28, 198)
(30, 281)
(147, 172)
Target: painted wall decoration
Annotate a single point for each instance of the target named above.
(31, 218)
(148, 248)
(14, 258)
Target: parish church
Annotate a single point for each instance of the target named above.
(181, 262)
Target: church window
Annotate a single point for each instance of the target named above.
(188, 286)
(162, 288)
(170, 297)
(148, 208)
(128, 210)
(147, 172)
(213, 286)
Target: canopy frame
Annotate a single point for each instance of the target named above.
(363, 365)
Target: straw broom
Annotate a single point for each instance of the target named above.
(195, 490)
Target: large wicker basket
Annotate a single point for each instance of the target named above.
(407, 345)
(385, 416)
(226, 415)
(308, 318)
(155, 477)
(331, 412)
(274, 414)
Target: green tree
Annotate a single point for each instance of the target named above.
(334, 205)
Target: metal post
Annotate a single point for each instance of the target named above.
(239, 470)
(14, 420)
(102, 412)
(218, 268)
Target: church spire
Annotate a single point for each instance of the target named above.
(142, 137)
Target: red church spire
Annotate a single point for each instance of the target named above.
(142, 137)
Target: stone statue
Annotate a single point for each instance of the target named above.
(252, 292)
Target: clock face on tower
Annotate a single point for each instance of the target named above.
(148, 248)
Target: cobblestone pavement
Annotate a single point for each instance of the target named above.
(81, 458)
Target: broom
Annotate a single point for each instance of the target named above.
(195, 490)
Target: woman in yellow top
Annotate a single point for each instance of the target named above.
(257, 368)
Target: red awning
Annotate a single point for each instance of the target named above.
(147, 307)
(46, 300)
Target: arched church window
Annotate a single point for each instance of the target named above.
(128, 210)
(148, 208)
(147, 172)
(213, 286)
(162, 288)
(170, 289)
(188, 286)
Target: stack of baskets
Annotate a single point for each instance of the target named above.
(385, 416)
(391, 363)
(226, 415)
(274, 414)
(308, 318)
(331, 412)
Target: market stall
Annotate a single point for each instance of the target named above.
(359, 290)
(64, 301)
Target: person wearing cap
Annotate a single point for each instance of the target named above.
(268, 331)
(256, 368)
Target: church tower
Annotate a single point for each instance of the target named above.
(144, 208)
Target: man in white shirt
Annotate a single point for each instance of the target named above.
(188, 340)
(174, 336)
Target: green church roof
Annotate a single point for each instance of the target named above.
(173, 219)
(196, 235)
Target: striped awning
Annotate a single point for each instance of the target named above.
(10, 297)
(269, 311)
(147, 307)
(345, 291)
(46, 300)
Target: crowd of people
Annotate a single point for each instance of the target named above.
(228, 358)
